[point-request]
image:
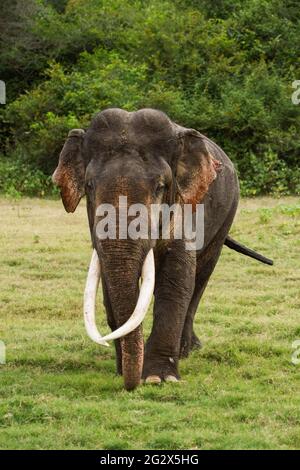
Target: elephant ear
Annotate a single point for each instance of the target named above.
(196, 168)
(69, 175)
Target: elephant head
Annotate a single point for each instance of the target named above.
(149, 159)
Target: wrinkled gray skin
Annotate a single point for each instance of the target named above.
(148, 158)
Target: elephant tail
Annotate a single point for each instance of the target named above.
(236, 246)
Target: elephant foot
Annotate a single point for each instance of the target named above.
(156, 380)
(153, 379)
(189, 344)
(158, 371)
(171, 378)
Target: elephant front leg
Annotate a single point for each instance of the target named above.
(173, 292)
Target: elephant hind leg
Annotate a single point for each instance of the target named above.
(189, 339)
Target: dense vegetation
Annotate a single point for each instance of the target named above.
(225, 67)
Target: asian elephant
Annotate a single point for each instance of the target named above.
(146, 157)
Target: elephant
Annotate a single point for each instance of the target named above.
(148, 158)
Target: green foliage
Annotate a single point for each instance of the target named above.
(225, 68)
(17, 178)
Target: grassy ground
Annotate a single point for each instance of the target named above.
(58, 389)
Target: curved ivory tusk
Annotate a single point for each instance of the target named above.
(90, 293)
(146, 292)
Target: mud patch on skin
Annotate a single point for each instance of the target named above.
(216, 163)
(200, 181)
(65, 179)
(69, 174)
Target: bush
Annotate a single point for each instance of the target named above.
(17, 178)
(225, 69)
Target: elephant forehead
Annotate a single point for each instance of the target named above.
(118, 125)
(151, 121)
(111, 120)
(138, 134)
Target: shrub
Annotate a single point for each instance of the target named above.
(225, 69)
(17, 178)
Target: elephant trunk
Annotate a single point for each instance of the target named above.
(123, 296)
(122, 271)
(128, 302)
(132, 347)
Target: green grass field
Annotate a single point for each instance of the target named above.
(59, 390)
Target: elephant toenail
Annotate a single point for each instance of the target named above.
(153, 379)
(171, 378)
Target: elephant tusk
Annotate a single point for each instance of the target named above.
(90, 294)
(146, 292)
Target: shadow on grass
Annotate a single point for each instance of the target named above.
(59, 365)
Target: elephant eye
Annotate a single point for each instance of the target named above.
(89, 185)
(159, 188)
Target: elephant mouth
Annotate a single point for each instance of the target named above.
(139, 313)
